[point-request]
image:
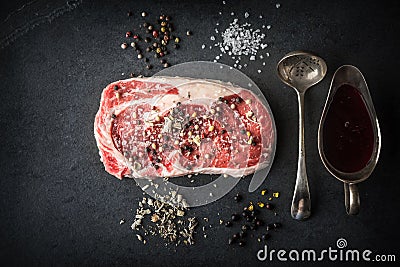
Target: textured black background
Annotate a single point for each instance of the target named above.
(59, 206)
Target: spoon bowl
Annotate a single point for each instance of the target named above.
(301, 70)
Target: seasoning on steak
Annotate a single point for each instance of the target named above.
(172, 126)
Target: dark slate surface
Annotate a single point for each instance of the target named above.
(59, 206)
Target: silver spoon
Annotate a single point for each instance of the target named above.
(301, 70)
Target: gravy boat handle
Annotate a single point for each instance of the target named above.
(351, 198)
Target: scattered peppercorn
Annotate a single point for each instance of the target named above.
(242, 243)
(163, 25)
(237, 198)
(235, 217)
(163, 61)
(149, 67)
(235, 236)
(115, 87)
(242, 234)
(270, 227)
(265, 236)
(269, 206)
(228, 223)
(188, 33)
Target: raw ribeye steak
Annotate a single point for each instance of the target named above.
(172, 126)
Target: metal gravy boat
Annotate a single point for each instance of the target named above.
(350, 75)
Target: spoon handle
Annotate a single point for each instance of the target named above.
(301, 203)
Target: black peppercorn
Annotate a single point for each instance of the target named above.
(113, 116)
(115, 87)
(149, 67)
(176, 46)
(244, 227)
(277, 225)
(235, 217)
(269, 206)
(228, 223)
(242, 234)
(237, 198)
(255, 212)
(270, 227)
(242, 243)
(265, 236)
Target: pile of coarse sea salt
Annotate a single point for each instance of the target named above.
(241, 42)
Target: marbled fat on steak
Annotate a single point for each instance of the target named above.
(171, 126)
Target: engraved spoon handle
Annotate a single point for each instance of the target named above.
(301, 203)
